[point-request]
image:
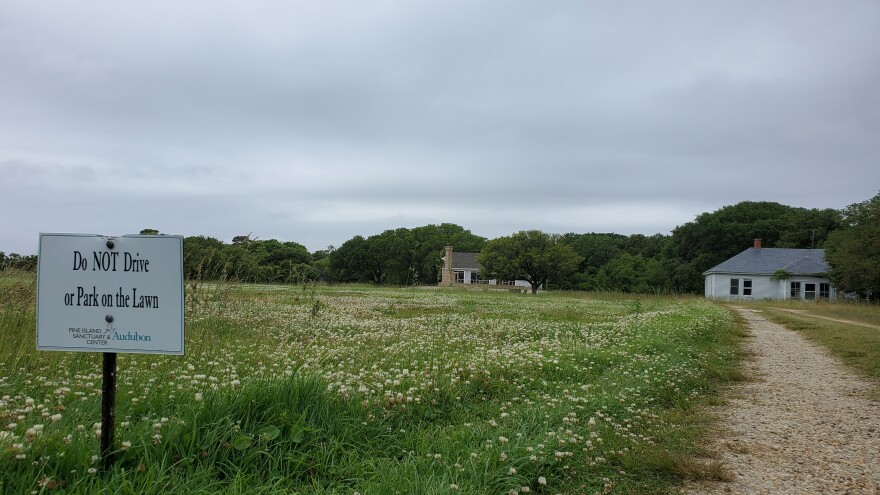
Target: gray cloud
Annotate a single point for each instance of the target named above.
(316, 122)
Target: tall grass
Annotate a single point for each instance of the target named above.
(17, 317)
(353, 389)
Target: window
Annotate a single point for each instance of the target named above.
(795, 290)
(459, 277)
(740, 287)
(809, 292)
(825, 291)
(473, 277)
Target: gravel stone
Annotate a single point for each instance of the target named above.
(803, 424)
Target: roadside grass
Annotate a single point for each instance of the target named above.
(857, 345)
(354, 389)
(845, 310)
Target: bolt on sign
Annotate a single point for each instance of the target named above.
(110, 294)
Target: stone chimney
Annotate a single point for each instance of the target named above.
(757, 244)
(447, 276)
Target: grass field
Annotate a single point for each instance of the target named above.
(854, 338)
(320, 390)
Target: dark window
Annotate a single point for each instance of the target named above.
(825, 291)
(459, 277)
(747, 287)
(795, 290)
(809, 291)
(734, 287)
(473, 277)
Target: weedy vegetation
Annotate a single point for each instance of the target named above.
(353, 389)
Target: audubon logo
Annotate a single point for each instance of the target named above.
(131, 336)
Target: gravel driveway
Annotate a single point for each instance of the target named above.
(805, 424)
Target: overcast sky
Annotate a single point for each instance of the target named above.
(317, 121)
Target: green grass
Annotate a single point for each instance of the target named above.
(319, 390)
(857, 345)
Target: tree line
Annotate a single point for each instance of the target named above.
(574, 261)
(15, 261)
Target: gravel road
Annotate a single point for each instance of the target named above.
(805, 424)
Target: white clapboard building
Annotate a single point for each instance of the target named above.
(771, 273)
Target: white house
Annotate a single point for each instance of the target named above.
(463, 268)
(771, 273)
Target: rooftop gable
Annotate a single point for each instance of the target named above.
(767, 261)
(465, 261)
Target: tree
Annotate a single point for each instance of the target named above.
(529, 255)
(321, 262)
(595, 249)
(632, 273)
(809, 228)
(646, 246)
(398, 256)
(203, 258)
(392, 256)
(282, 261)
(350, 261)
(15, 261)
(853, 252)
(429, 242)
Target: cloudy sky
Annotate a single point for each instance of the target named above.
(317, 121)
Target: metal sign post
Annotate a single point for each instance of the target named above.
(108, 409)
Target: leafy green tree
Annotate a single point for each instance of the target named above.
(350, 262)
(632, 273)
(392, 256)
(399, 256)
(321, 262)
(809, 228)
(647, 246)
(429, 241)
(281, 261)
(529, 255)
(15, 261)
(241, 264)
(595, 249)
(203, 258)
(603, 262)
(853, 252)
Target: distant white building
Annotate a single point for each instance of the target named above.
(463, 268)
(771, 273)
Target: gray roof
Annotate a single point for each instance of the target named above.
(766, 261)
(465, 261)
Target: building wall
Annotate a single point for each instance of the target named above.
(763, 287)
(808, 280)
(717, 286)
(468, 273)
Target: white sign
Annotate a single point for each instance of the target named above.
(110, 294)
